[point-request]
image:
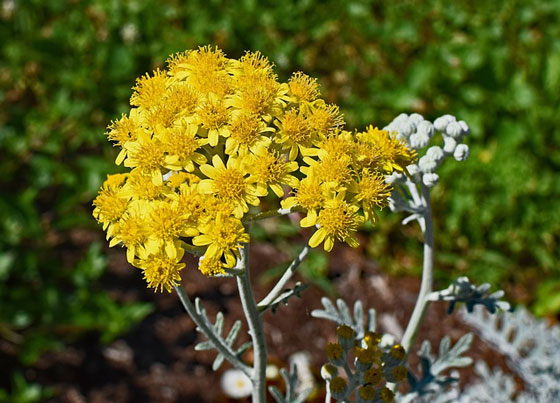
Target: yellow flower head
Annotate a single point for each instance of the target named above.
(337, 220)
(270, 169)
(229, 183)
(223, 237)
(147, 155)
(391, 153)
(246, 132)
(295, 132)
(303, 88)
(149, 90)
(203, 69)
(208, 136)
(160, 270)
(370, 191)
(110, 204)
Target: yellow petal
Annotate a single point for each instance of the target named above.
(329, 243)
(317, 238)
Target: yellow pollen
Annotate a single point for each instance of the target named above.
(149, 90)
(230, 184)
(310, 195)
(161, 272)
(213, 115)
(304, 87)
(338, 220)
(245, 129)
(296, 128)
(165, 222)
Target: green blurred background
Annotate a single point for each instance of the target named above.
(66, 69)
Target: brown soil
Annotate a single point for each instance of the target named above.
(156, 362)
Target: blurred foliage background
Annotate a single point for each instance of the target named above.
(67, 66)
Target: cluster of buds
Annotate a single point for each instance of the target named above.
(417, 133)
(209, 137)
(375, 365)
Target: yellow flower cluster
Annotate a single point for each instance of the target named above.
(208, 137)
(375, 365)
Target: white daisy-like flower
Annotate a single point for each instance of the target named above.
(236, 384)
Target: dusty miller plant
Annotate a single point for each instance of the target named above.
(215, 144)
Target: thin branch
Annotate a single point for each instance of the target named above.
(279, 287)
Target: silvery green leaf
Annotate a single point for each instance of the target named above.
(244, 347)
(432, 381)
(291, 381)
(462, 290)
(532, 347)
(205, 345)
(342, 315)
(276, 394)
(216, 329)
(232, 336)
(218, 361)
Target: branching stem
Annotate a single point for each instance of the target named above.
(255, 329)
(277, 290)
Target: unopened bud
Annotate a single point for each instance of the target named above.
(430, 179)
(449, 144)
(461, 153)
(426, 164)
(454, 130)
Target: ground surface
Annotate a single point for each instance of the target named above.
(156, 362)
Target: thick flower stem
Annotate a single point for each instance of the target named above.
(427, 274)
(255, 329)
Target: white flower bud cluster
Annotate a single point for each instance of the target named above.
(417, 132)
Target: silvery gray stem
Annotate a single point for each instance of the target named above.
(427, 272)
(254, 321)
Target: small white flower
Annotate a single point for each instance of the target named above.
(461, 152)
(427, 164)
(302, 362)
(449, 144)
(435, 153)
(236, 384)
(442, 122)
(272, 371)
(430, 179)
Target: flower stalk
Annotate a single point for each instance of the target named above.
(256, 331)
(427, 271)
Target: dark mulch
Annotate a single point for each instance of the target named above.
(156, 362)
